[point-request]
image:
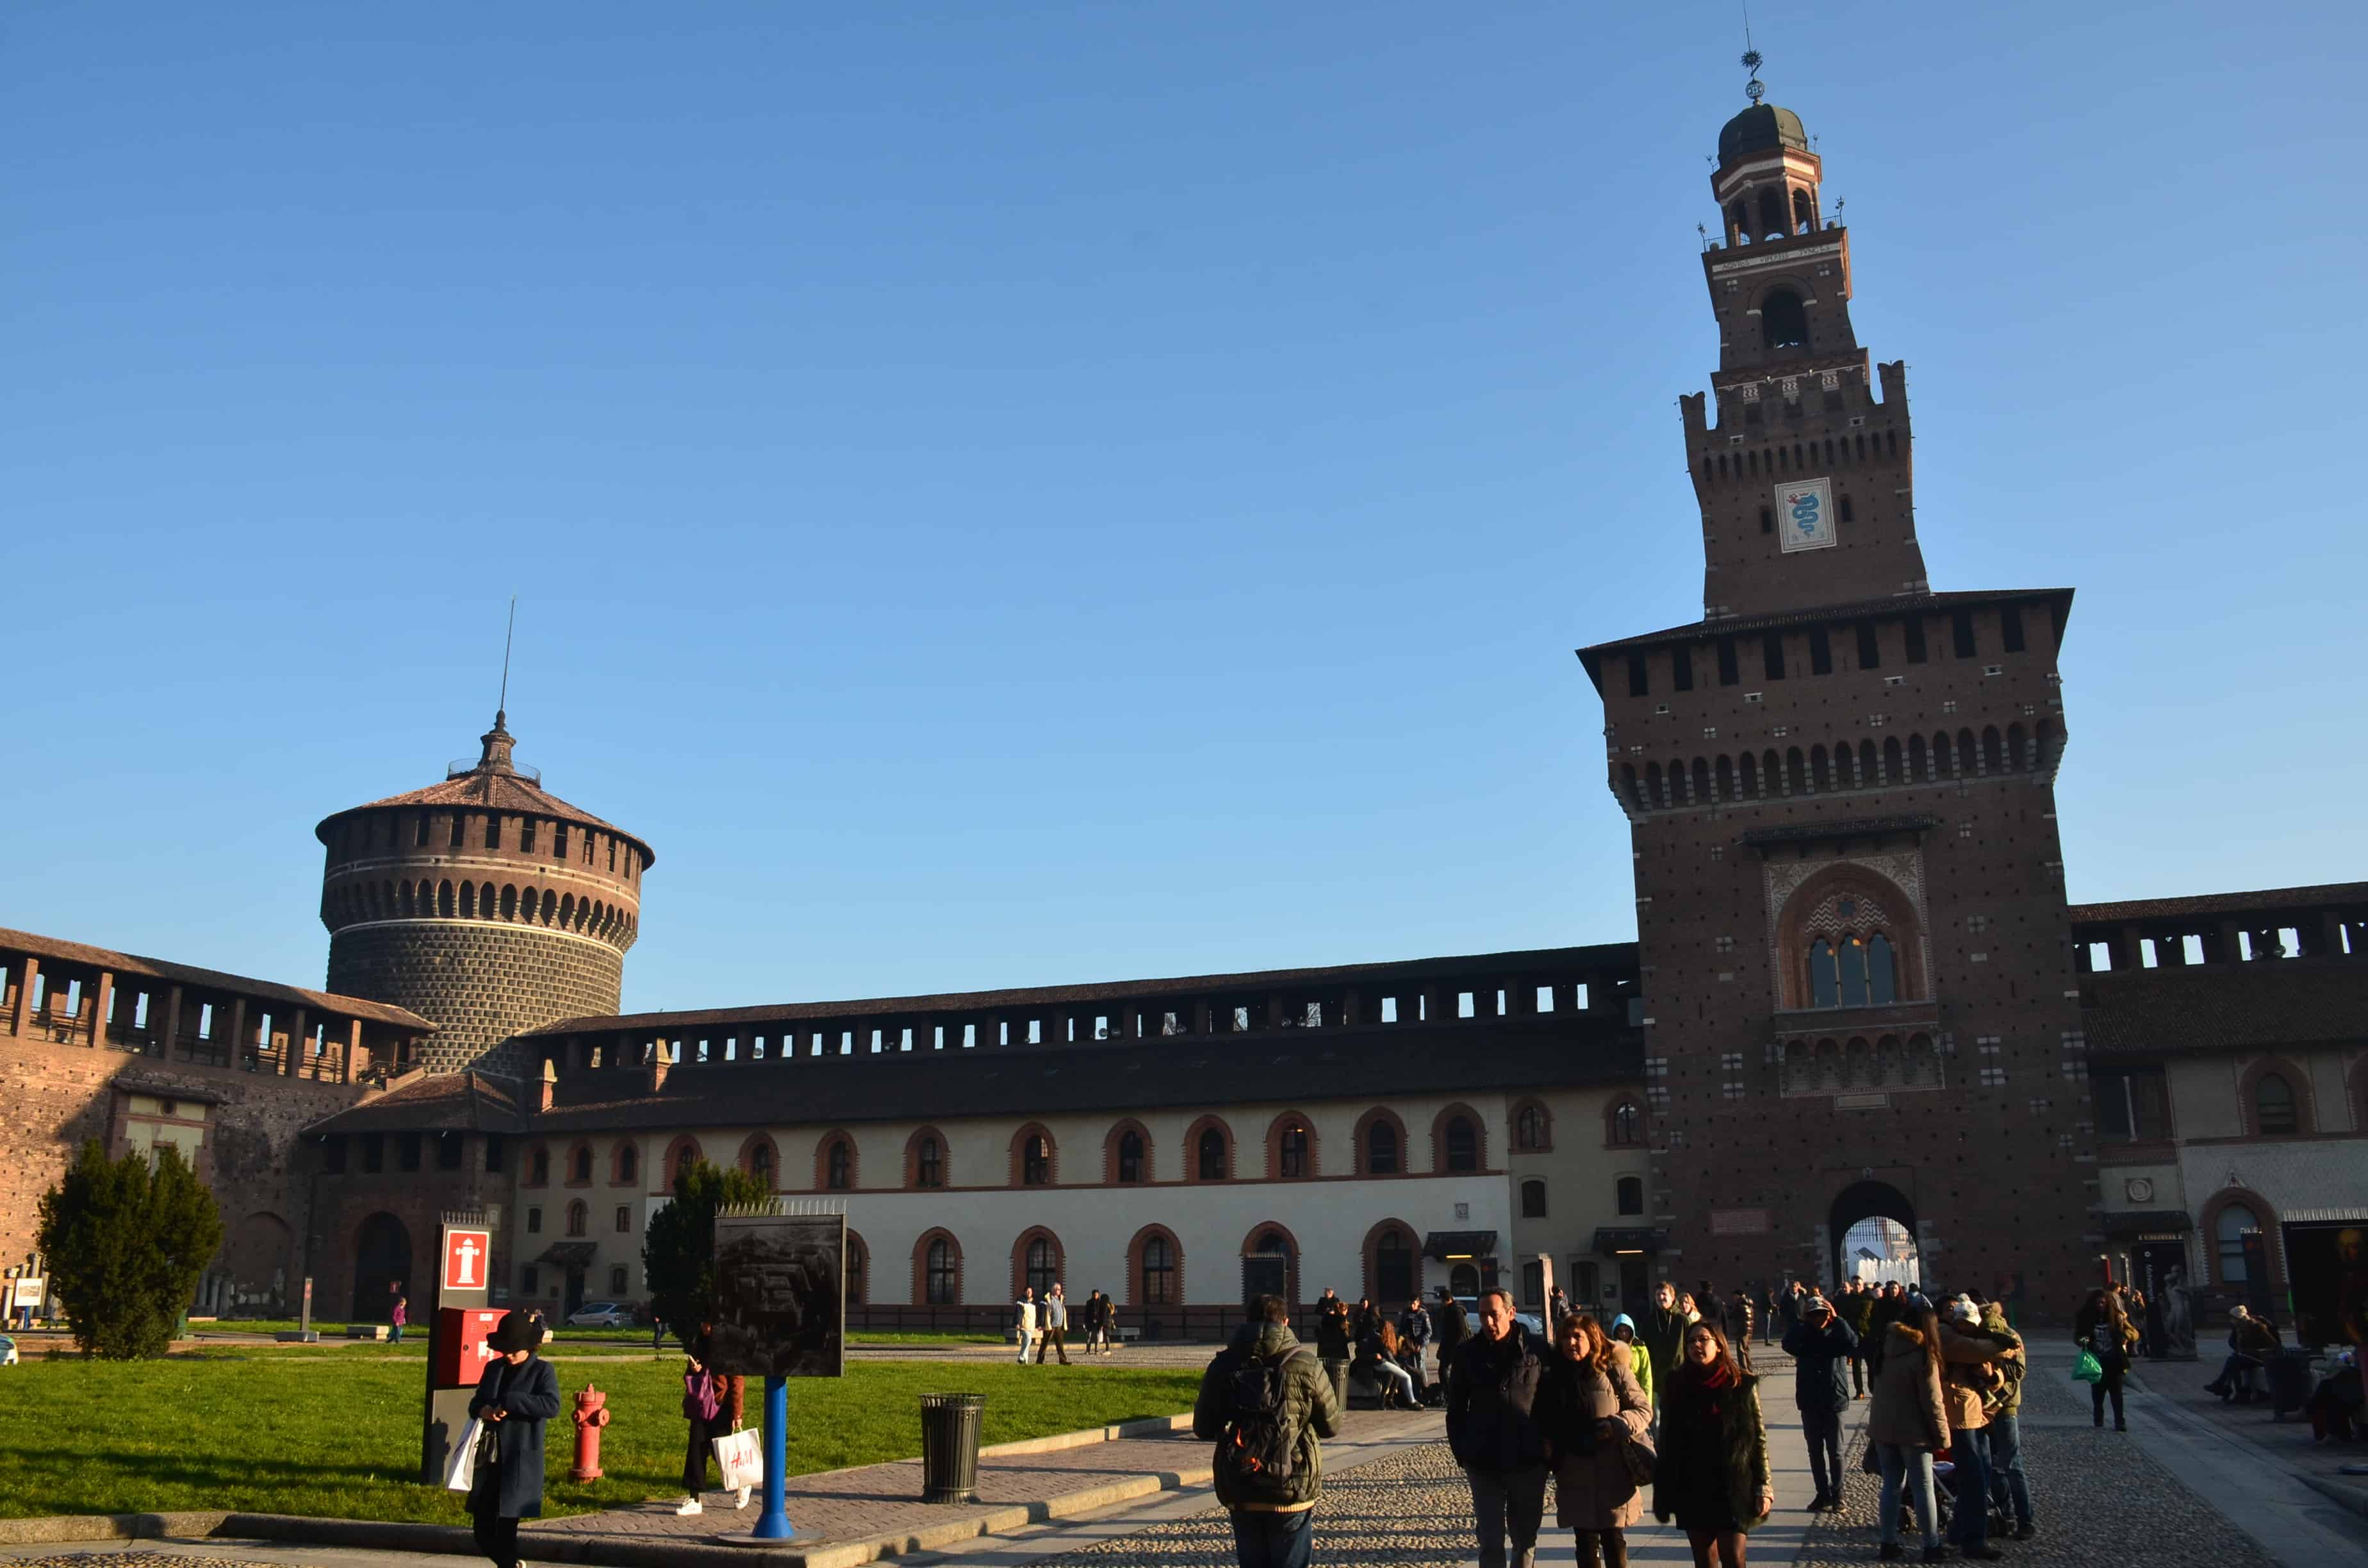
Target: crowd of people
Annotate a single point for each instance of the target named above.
(1664, 1414)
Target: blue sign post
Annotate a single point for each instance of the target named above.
(773, 1524)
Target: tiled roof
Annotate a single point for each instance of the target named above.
(53, 947)
(436, 1102)
(487, 791)
(1539, 960)
(1858, 610)
(1286, 1065)
(2285, 1003)
(2265, 901)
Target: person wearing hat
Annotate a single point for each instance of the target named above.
(1821, 1346)
(516, 1396)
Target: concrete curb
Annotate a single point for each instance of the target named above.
(2335, 1492)
(552, 1541)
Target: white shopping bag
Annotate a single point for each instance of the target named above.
(461, 1459)
(741, 1460)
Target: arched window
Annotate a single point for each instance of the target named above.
(629, 1165)
(1630, 1195)
(1290, 1152)
(941, 1272)
(1851, 955)
(538, 1168)
(857, 1269)
(2273, 1107)
(1394, 1266)
(1533, 1199)
(760, 1161)
(685, 1159)
(1464, 1279)
(1158, 1282)
(1211, 1155)
(1040, 1267)
(579, 1217)
(929, 1162)
(1804, 217)
(2236, 1220)
(1036, 1161)
(1782, 321)
(1627, 1124)
(1130, 1156)
(1823, 977)
(579, 1163)
(839, 1166)
(1772, 214)
(1532, 1130)
(1463, 1146)
(1382, 1147)
(1881, 973)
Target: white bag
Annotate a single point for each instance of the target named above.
(740, 1459)
(461, 1459)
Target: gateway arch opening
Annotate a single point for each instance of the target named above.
(1872, 1228)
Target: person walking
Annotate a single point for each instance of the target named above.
(2010, 1487)
(1907, 1421)
(398, 1315)
(1858, 1309)
(1494, 1432)
(1821, 1346)
(1454, 1331)
(1024, 1322)
(1967, 1381)
(1712, 1475)
(515, 1396)
(1887, 1308)
(1054, 1318)
(1664, 1337)
(2108, 1340)
(1594, 1409)
(1267, 1405)
(712, 1406)
(1739, 1315)
(1630, 1352)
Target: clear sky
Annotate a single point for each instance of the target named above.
(1018, 493)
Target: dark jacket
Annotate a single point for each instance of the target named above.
(513, 1489)
(1714, 1454)
(1309, 1409)
(1906, 1408)
(1663, 1334)
(1332, 1329)
(1454, 1328)
(1875, 1342)
(1494, 1421)
(1821, 1364)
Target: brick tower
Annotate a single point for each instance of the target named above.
(482, 903)
(1856, 962)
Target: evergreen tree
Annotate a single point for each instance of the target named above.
(126, 1241)
(678, 1245)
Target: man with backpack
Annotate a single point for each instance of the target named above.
(1266, 1402)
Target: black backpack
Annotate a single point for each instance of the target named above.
(1257, 1441)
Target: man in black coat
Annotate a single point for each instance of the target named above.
(1494, 1431)
(1662, 1333)
(1820, 1345)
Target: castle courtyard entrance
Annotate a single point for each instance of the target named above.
(381, 1266)
(1871, 1235)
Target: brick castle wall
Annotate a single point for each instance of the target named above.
(482, 982)
(57, 1095)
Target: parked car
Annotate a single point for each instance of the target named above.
(1471, 1306)
(602, 1314)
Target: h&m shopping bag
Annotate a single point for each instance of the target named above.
(740, 1458)
(461, 1459)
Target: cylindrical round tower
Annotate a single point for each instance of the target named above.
(481, 904)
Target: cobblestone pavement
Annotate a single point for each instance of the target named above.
(2096, 1498)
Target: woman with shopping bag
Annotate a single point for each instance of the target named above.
(712, 1405)
(515, 1397)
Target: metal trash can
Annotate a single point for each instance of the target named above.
(1338, 1373)
(2290, 1381)
(949, 1424)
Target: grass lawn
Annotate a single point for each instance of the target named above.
(286, 1435)
(334, 1334)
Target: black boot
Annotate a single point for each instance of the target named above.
(1615, 1550)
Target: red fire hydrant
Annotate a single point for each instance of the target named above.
(591, 1414)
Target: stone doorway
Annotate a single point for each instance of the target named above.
(1871, 1231)
(381, 1266)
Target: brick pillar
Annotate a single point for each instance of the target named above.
(102, 999)
(30, 971)
(1351, 1009)
(351, 1053)
(168, 1023)
(1201, 1017)
(296, 1028)
(238, 1041)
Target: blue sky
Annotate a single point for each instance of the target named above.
(1024, 492)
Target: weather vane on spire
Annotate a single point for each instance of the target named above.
(501, 707)
(1753, 89)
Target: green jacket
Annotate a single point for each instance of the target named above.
(1309, 1410)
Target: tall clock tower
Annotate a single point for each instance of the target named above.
(1858, 972)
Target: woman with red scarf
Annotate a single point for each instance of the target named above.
(1712, 1471)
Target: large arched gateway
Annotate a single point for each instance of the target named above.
(382, 1262)
(1861, 1201)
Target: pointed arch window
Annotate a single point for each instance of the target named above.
(1035, 1161)
(1130, 1156)
(1882, 971)
(929, 1164)
(1823, 977)
(941, 1269)
(2273, 1107)
(1291, 1150)
(1043, 1266)
(1627, 1124)
(1382, 1148)
(1212, 1155)
(1158, 1271)
(1463, 1146)
(839, 1166)
(1783, 322)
